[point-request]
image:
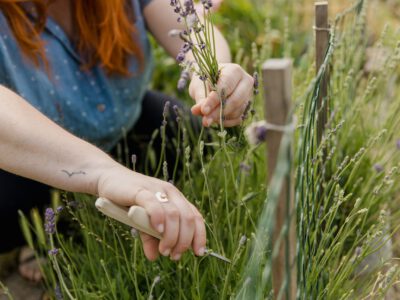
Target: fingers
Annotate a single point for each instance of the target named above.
(210, 103)
(233, 119)
(148, 201)
(200, 238)
(237, 86)
(231, 76)
(171, 233)
(196, 109)
(187, 225)
(150, 246)
(184, 228)
(240, 97)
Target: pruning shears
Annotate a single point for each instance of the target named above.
(137, 217)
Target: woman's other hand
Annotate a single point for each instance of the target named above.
(237, 86)
(179, 222)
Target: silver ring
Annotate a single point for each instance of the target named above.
(162, 197)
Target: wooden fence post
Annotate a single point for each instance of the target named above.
(321, 44)
(277, 74)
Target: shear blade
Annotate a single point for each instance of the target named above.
(216, 255)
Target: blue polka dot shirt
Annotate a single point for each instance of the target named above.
(90, 104)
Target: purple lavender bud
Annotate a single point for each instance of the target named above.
(203, 77)
(243, 240)
(202, 46)
(59, 209)
(246, 111)
(166, 108)
(186, 47)
(181, 57)
(245, 168)
(176, 109)
(256, 84)
(321, 212)
(181, 84)
(58, 293)
(189, 7)
(256, 81)
(53, 252)
(185, 76)
(50, 224)
(378, 168)
(358, 251)
(207, 4)
(261, 134)
(398, 144)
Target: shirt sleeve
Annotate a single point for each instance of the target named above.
(143, 3)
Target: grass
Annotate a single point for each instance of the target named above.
(347, 201)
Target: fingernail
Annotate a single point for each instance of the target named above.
(160, 228)
(177, 256)
(209, 121)
(201, 251)
(206, 110)
(166, 252)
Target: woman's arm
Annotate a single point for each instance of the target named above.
(33, 146)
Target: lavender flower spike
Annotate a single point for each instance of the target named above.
(183, 80)
(53, 252)
(50, 223)
(181, 57)
(257, 133)
(58, 293)
(256, 83)
(378, 168)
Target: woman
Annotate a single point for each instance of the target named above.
(73, 79)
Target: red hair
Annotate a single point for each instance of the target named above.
(105, 32)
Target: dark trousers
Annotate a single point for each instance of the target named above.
(18, 193)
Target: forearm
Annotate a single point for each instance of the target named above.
(33, 146)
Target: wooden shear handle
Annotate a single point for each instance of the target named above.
(135, 216)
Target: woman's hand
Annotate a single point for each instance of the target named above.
(238, 88)
(179, 222)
